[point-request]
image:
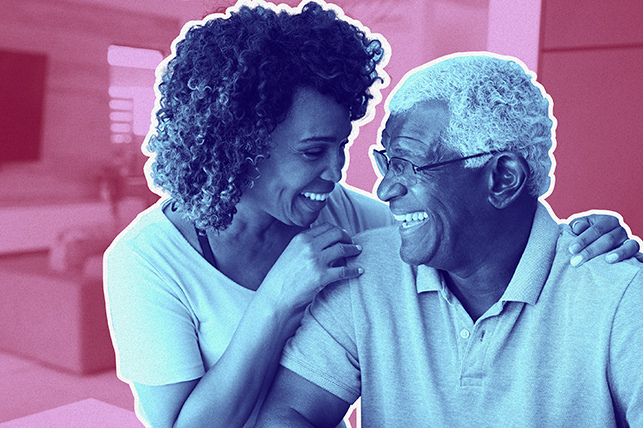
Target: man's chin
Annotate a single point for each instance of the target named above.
(411, 258)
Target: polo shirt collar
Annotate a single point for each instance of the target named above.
(532, 270)
(536, 261)
(427, 279)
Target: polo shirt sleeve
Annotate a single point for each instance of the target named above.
(626, 355)
(153, 333)
(323, 350)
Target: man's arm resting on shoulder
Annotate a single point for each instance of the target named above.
(293, 401)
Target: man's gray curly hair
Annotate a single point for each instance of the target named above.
(495, 104)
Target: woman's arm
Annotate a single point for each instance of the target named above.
(226, 395)
(228, 392)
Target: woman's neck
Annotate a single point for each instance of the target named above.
(247, 249)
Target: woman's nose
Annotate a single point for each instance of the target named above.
(333, 168)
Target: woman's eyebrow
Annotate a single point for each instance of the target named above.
(323, 138)
(328, 139)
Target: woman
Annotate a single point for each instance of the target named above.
(205, 288)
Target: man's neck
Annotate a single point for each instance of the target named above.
(482, 283)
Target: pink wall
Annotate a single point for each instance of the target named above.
(417, 31)
(75, 36)
(591, 61)
(514, 29)
(75, 133)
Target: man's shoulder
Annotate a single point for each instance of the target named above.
(381, 261)
(595, 279)
(380, 235)
(381, 242)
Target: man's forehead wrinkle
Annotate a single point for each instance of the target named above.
(406, 134)
(412, 149)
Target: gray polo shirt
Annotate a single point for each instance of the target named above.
(562, 347)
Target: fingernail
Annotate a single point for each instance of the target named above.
(576, 260)
(359, 247)
(575, 249)
(611, 258)
(360, 270)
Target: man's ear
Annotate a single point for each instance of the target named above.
(508, 175)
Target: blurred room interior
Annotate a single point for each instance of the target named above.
(77, 78)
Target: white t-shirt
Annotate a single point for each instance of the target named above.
(171, 313)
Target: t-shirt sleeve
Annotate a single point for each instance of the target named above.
(323, 350)
(626, 354)
(153, 332)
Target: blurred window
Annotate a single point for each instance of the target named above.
(131, 91)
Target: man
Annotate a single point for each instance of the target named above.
(483, 322)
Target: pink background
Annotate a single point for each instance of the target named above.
(57, 214)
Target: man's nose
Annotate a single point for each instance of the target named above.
(390, 188)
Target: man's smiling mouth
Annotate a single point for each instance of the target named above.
(412, 219)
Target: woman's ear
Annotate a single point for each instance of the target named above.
(508, 175)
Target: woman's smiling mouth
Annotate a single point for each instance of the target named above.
(315, 196)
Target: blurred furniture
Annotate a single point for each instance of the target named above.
(52, 307)
(34, 227)
(57, 318)
(89, 413)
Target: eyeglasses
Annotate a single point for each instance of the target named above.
(400, 166)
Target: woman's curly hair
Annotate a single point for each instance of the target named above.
(231, 81)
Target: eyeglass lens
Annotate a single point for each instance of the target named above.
(399, 167)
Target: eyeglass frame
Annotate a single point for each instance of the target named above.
(417, 168)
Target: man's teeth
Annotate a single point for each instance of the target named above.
(411, 219)
(316, 196)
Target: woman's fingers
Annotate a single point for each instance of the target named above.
(313, 259)
(342, 273)
(592, 227)
(337, 268)
(601, 234)
(579, 225)
(319, 229)
(628, 249)
(339, 251)
(327, 236)
(610, 243)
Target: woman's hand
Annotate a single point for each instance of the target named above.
(599, 234)
(312, 260)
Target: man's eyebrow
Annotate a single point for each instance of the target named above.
(406, 137)
(403, 151)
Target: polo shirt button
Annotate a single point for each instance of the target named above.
(464, 333)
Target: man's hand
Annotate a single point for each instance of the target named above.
(599, 234)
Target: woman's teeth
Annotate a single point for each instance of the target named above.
(411, 219)
(316, 196)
